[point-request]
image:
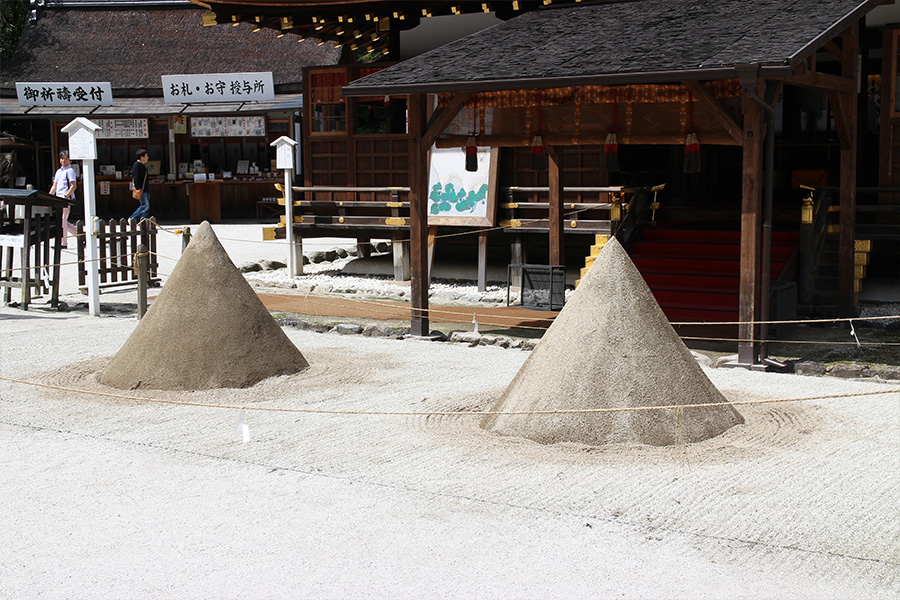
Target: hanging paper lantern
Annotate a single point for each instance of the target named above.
(471, 154)
(691, 153)
(611, 152)
(538, 156)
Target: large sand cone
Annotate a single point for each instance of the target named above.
(611, 347)
(206, 329)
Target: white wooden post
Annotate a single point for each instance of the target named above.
(284, 159)
(83, 147)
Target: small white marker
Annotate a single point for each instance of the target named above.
(474, 320)
(243, 428)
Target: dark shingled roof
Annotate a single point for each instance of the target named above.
(131, 48)
(624, 42)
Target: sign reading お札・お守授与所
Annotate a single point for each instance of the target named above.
(218, 87)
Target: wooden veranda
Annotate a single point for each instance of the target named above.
(723, 66)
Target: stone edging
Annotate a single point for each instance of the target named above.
(471, 338)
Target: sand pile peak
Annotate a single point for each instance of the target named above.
(206, 329)
(611, 347)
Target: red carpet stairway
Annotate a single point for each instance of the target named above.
(694, 274)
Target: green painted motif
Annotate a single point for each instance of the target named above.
(451, 200)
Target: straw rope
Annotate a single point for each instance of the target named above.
(449, 413)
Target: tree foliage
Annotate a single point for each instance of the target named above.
(12, 18)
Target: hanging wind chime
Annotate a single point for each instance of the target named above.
(538, 156)
(472, 142)
(611, 146)
(691, 143)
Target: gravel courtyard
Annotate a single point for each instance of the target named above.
(393, 491)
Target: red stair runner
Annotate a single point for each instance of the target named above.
(695, 274)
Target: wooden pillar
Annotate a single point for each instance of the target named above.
(482, 260)
(418, 215)
(750, 224)
(849, 146)
(400, 252)
(518, 256)
(888, 132)
(557, 251)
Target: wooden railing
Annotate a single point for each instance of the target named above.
(621, 214)
(349, 214)
(118, 242)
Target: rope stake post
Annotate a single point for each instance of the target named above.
(142, 264)
(185, 238)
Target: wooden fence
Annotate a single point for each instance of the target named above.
(119, 241)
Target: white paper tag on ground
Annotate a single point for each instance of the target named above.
(243, 428)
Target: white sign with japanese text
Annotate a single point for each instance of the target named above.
(64, 93)
(122, 128)
(12, 240)
(218, 87)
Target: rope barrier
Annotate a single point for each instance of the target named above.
(676, 407)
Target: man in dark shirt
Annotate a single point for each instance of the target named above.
(139, 176)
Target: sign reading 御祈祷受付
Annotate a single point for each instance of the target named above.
(218, 87)
(65, 93)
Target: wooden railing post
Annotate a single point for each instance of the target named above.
(81, 245)
(142, 262)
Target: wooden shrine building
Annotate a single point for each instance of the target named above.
(652, 85)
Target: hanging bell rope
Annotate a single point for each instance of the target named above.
(691, 143)
(538, 156)
(472, 142)
(611, 145)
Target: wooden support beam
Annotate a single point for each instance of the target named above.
(748, 293)
(833, 49)
(441, 119)
(703, 96)
(557, 251)
(482, 260)
(713, 138)
(400, 252)
(888, 102)
(518, 256)
(822, 81)
(849, 109)
(418, 215)
(432, 241)
(843, 109)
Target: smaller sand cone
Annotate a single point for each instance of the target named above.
(206, 329)
(611, 347)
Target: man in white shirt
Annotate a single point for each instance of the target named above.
(64, 184)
